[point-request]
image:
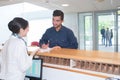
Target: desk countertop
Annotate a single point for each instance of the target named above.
(96, 56)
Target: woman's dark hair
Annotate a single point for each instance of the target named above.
(58, 13)
(16, 24)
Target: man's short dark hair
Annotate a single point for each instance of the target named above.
(58, 13)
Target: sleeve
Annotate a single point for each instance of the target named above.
(44, 39)
(24, 61)
(72, 40)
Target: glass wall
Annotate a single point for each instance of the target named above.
(99, 31)
(106, 30)
(118, 14)
(85, 31)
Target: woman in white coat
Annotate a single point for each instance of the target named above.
(15, 59)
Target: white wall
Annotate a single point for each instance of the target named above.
(71, 21)
(18, 10)
(7, 14)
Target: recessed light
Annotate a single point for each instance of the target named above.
(65, 5)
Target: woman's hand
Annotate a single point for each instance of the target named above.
(34, 52)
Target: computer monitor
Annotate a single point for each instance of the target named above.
(35, 71)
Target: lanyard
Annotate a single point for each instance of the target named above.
(16, 35)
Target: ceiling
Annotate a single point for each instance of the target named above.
(74, 5)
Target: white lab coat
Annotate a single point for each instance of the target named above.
(15, 60)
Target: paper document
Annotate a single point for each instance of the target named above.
(32, 48)
(46, 50)
(41, 50)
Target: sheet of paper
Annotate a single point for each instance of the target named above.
(41, 50)
(46, 50)
(32, 48)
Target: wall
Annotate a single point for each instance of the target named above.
(71, 21)
(17, 10)
(8, 14)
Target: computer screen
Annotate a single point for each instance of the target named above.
(35, 71)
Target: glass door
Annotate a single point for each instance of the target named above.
(88, 32)
(106, 30)
(118, 14)
(85, 29)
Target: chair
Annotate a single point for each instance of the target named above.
(34, 43)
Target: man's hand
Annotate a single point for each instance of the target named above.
(56, 47)
(45, 46)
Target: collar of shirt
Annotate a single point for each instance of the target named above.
(61, 29)
(16, 35)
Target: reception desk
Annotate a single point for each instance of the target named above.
(97, 64)
(94, 63)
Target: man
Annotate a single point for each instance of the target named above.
(111, 36)
(103, 35)
(107, 35)
(58, 36)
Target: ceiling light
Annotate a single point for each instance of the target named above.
(65, 5)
